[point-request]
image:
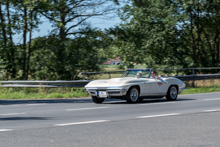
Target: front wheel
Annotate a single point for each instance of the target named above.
(132, 95)
(172, 93)
(97, 100)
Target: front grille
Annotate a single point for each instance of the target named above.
(92, 92)
(110, 93)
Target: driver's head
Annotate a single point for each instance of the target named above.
(139, 74)
(153, 73)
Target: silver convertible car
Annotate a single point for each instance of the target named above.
(134, 86)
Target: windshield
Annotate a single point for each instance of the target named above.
(137, 73)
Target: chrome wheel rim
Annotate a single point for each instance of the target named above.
(173, 92)
(134, 95)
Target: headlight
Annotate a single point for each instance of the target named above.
(114, 88)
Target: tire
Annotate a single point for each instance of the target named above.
(97, 100)
(172, 93)
(132, 95)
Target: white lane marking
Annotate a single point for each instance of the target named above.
(35, 104)
(158, 103)
(12, 114)
(214, 110)
(212, 99)
(80, 123)
(160, 115)
(27, 105)
(5, 130)
(86, 108)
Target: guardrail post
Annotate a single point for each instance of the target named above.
(83, 76)
(109, 75)
(193, 82)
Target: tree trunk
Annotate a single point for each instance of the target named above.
(9, 23)
(29, 45)
(24, 43)
(12, 49)
(61, 49)
(217, 45)
(195, 59)
(4, 36)
(3, 26)
(199, 36)
(217, 37)
(198, 45)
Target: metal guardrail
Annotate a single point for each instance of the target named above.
(189, 68)
(194, 77)
(198, 77)
(48, 84)
(82, 83)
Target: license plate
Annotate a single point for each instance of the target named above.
(102, 94)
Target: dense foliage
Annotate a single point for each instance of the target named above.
(72, 46)
(172, 33)
(158, 33)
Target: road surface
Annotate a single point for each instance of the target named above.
(190, 121)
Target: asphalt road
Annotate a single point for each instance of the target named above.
(191, 121)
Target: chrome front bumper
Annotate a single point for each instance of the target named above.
(110, 92)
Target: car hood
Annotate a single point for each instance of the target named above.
(111, 82)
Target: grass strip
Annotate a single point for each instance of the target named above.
(41, 93)
(201, 90)
(45, 93)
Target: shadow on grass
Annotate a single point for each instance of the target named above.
(47, 101)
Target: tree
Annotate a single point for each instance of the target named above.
(149, 31)
(84, 57)
(175, 33)
(16, 17)
(8, 45)
(68, 16)
(63, 44)
(28, 20)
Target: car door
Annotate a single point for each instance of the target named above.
(162, 87)
(154, 87)
(149, 87)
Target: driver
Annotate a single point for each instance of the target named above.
(154, 75)
(139, 74)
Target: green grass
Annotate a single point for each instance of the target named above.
(41, 93)
(201, 90)
(51, 93)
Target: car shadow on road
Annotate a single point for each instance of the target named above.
(84, 100)
(145, 101)
(23, 118)
(47, 101)
(164, 100)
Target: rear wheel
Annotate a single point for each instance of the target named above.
(132, 95)
(172, 93)
(97, 100)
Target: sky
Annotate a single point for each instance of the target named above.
(46, 27)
